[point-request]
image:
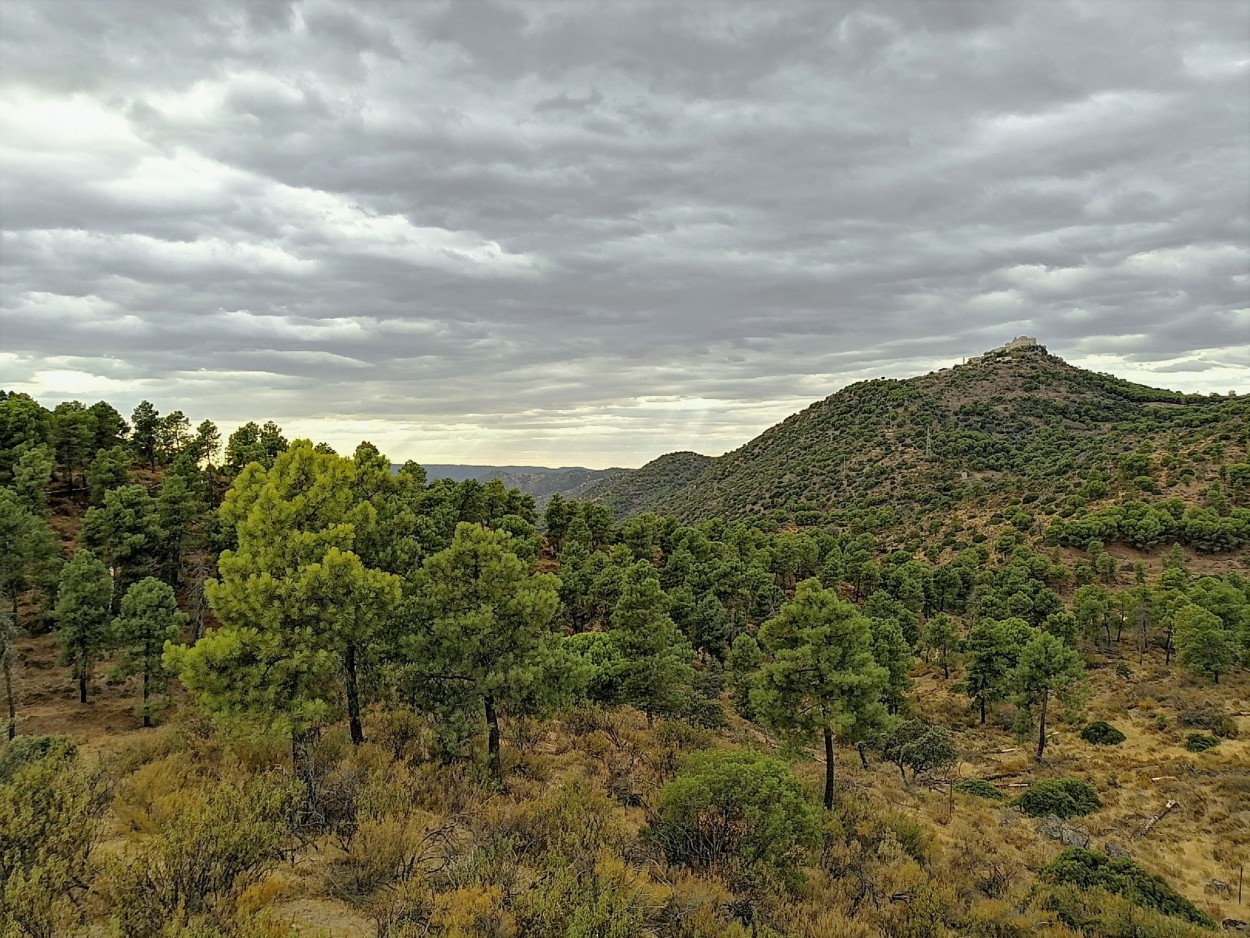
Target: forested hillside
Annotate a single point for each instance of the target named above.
(266, 689)
(1013, 439)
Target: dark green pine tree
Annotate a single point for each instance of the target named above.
(655, 670)
(82, 614)
(149, 618)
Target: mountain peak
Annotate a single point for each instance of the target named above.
(952, 440)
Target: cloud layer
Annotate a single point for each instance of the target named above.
(573, 233)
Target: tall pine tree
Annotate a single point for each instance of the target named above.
(82, 614)
(819, 678)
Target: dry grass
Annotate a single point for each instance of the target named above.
(618, 764)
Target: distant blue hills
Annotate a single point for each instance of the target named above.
(540, 481)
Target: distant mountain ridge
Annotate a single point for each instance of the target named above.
(995, 426)
(539, 481)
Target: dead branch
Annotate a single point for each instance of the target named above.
(1167, 809)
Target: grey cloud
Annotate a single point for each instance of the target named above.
(554, 223)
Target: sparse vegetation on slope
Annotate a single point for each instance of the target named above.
(454, 717)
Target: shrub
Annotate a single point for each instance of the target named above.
(27, 749)
(733, 807)
(1102, 733)
(1200, 742)
(389, 850)
(1062, 797)
(208, 843)
(50, 811)
(1089, 869)
(980, 788)
(581, 903)
(919, 746)
(1215, 722)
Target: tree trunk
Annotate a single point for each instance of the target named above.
(1041, 726)
(353, 696)
(982, 700)
(147, 673)
(8, 692)
(83, 668)
(863, 755)
(946, 665)
(829, 779)
(301, 762)
(492, 739)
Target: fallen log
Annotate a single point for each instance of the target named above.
(1167, 809)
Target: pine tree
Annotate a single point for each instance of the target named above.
(941, 633)
(83, 600)
(994, 648)
(744, 657)
(146, 422)
(9, 634)
(173, 432)
(1048, 668)
(29, 555)
(32, 474)
(149, 618)
(298, 607)
(819, 677)
(126, 531)
(891, 651)
(23, 424)
(73, 432)
(1203, 644)
(656, 673)
(177, 508)
(110, 427)
(1092, 608)
(109, 470)
(206, 443)
(481, 633)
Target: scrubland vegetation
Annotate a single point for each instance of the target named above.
(276, 691)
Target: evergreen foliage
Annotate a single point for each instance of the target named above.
(819, 678)
(733, 808)
(149, 618)
(1090, 869)
(1102, 733)
(82, 614)
(1061, 797)
(980, 788)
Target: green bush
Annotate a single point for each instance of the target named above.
(733, 807)
(1200, 742)
(1215, 722)
(50, 820)
(1062, 797)
(1101, 733)
(27, 749)
(207, 844)
(980, 788)
(1089, 869)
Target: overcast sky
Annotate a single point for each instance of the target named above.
(590, 233)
